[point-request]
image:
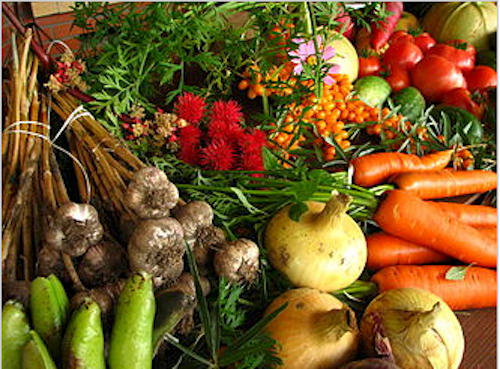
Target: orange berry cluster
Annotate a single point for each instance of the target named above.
(328, 118)
(276, 81)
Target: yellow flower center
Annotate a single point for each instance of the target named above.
(312, 60)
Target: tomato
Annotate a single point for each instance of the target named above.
(424, 41)
(480, 77)
(462, 98)
(434, 76)
(369, 66)
(398, 79)
(462, 54)
(402, 54)
(399, 36)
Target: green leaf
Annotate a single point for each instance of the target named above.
(296, 211)
(457, 273)
(241, 196)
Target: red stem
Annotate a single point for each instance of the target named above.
(45, 59)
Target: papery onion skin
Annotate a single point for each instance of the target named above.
(370, 364)
(314, 331)
(423, 331)
(325, 250)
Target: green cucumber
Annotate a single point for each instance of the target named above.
(372, 90)
(463, 123)
(411, 101)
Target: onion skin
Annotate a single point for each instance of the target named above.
(325, 250)
(370, 364)
(315, 330)
(422, 330)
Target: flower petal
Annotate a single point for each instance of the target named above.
(328, 53)
(298, 40)
(334, 69)
(298, 68)
(328, 80)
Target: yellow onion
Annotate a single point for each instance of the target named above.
(325, 249)
(346, 56)
(314, 331)
(422, 330)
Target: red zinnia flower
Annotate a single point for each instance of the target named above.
(189, 140)
(251, 145)
(190, 107)
(222, 128)
(226, 111)
(218, 155)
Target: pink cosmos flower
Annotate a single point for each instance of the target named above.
(306, 54)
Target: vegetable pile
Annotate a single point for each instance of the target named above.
(250, 185)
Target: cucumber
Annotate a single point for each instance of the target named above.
(464, 123)
(372, 90)
(411, 101)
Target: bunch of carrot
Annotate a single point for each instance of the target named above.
(417, 232)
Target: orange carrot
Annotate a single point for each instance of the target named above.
(373, 169)
(447, 183)
(478, 289)
(386, 250)
(473, 215)
(489, 232)
(406, 216)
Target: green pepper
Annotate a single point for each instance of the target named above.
(15, 334)
(49, 307)
(83, 342)
(36, 354)
(131, 344)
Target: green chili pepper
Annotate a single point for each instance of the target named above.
(35, 354)
(131, 344)
(49, 307)
(15, 334)
(172, 306)
(83, 342)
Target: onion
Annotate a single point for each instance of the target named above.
(370, 364)
(422, 330)
(315, 330)
(325, 249)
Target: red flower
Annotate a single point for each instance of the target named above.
(190, 107)
(226, 111)
(218, 155)
(190, 139)
(223, 128)
(251, 145)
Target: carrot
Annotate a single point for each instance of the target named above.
(372, 169)
(478, 289)
(406, 216)
(447, 183)
(473, 215)
(382, 31)
(386, 250)
(489, 232)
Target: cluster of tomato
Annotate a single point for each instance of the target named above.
(443, 72)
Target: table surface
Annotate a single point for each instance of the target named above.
(480, 328)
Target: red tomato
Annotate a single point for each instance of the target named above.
(462, 54)
(399, 36)
(369, 66)
(424, 41)
(481, 76)
(402, 54)
(462, 98)
(398, 79)
(434, 76)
